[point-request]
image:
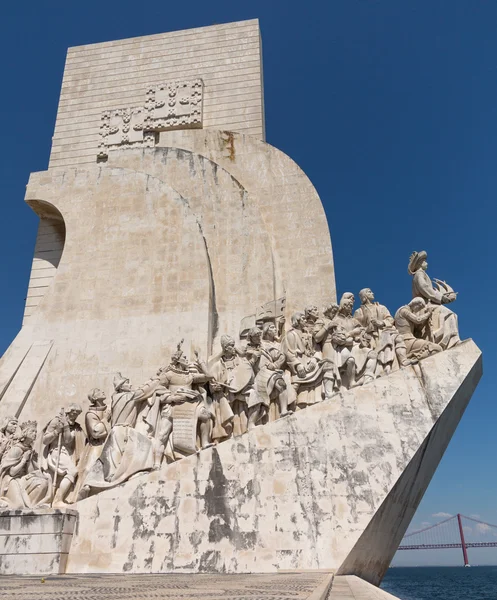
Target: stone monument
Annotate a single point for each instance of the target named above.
(185, 386)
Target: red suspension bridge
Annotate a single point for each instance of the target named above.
(457, 531)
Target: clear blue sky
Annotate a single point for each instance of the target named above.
(389, 106)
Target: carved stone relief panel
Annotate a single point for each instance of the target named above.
(171, 105)
(124, 127)
(175, 105)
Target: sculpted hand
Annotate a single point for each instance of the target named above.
(448, 297)
(271, 366)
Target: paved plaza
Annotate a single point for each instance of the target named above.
(286, 586)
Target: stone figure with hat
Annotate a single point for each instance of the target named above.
(442, 328)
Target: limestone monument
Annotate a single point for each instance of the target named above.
(185, 393)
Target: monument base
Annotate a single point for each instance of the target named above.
(35, 541)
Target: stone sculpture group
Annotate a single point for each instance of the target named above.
(189, 406)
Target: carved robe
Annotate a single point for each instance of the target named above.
(384, 339)
(126, 451)
(237, 375)
(360, 351)
(184, 414)
(97, 430)
(306, 390)
(22, 484)
(70, 451)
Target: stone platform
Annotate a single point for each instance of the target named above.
(298, 586)
(281, 586)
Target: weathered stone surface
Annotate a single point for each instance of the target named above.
(296, 493)
(35, 542)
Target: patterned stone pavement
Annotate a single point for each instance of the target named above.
(282, 586)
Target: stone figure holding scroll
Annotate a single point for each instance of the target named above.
(22, 484)
(355, 358)
(64, 441)
(385, 339)
(442, 328)
(185, 404)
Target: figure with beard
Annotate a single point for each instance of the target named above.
(355, 359)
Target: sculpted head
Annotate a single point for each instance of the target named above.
(96, 397)
(28, 433)
(72, 412)
(228, 346)
(347, 303)
(178, 359)
(269, 331)
(121, 384)
(298, 320)
(417, 261)
(311, 313)
(10, 425)
(330, 310)
(254, 336)
(366, 296)
(417, 304)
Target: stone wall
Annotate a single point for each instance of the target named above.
(108, 75)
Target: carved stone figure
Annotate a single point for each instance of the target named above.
(269, 377)
(322, 335)
(411, 321)
(355, 359)
(22, 484)
(311, 317)
(442, 328)
(8, 429)
(64, 442)
(273, 360)
(234, 373)
(380, 325)
(97, 429)
(220, 391)
(126, 451)
(305, 368)
(185, 405)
